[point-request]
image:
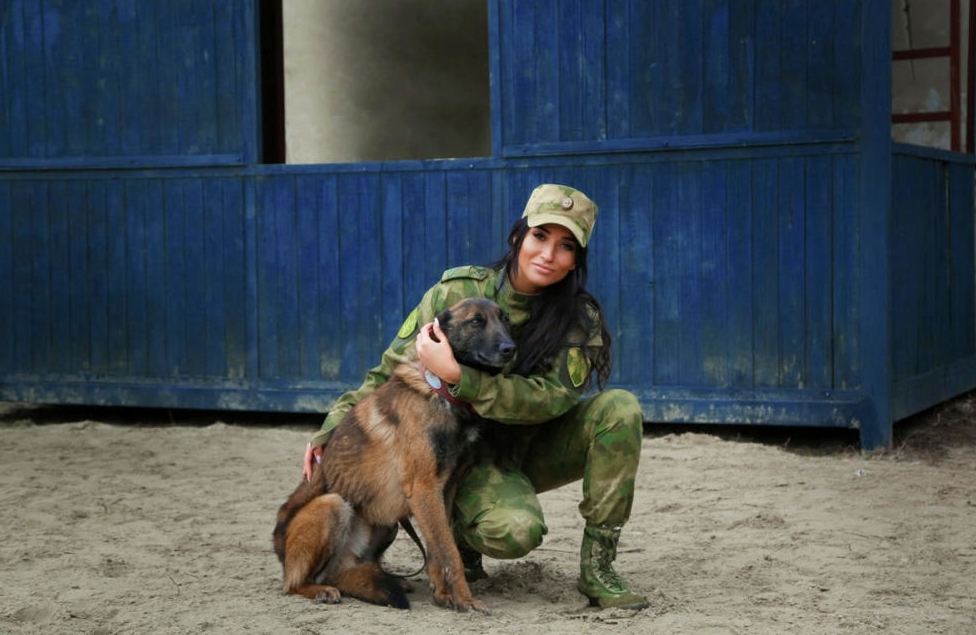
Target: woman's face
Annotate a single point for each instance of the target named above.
(547, 255)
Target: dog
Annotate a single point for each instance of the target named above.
(396, 454)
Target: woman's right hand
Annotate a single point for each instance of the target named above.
(312, 457)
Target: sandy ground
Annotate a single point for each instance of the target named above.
(120, 521)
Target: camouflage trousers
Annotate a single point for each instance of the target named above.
(496, 510)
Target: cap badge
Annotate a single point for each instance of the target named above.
(567, 203)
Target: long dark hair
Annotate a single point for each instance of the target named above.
(560, 308)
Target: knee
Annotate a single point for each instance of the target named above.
(508, 533)
(618, 409)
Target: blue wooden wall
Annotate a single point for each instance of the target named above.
(763, 253)
(619, 73)
(127, 82)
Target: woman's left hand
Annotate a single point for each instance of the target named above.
(435, 352)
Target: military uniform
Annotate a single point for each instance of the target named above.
(542, 432)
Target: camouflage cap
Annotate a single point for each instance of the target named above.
(563, 205)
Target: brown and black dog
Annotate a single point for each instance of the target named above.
(393, 456)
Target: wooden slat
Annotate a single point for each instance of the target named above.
(740, 331)
(766, 323)
(719, 216)
(818, 279)
(791, 263)
(962, 254)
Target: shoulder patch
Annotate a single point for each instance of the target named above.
(577, 366)
(474, 272)
(409, 325)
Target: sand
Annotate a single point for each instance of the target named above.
(128, 521)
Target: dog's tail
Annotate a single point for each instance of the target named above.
(368, 582)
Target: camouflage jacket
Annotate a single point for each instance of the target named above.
(506, 398)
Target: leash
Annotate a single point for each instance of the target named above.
(408, 527)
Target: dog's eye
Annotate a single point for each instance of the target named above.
(477, 321)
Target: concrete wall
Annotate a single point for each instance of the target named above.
(385, 79)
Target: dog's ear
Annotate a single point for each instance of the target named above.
(444, 318)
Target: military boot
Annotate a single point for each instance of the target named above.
(598, 581)
(474, 570)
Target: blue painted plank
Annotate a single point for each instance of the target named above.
(44, 309)
(939, 326)
(116, 310)
(7, 297)
(436, 235)
(792, 268)
(41, 310)
(581, 66)
(767, 320)
(741, 95)
(821, 31)
(846, 273)
(309, 314)
(52, 124)
(668, 282)
(416, 274)
(235, 278)
(717, 77)
(177, 271)
(58, 237)
(359, 270)
(718, 279)
(962, 250)
(35, 92)
(471, 208)
(686, 46)
(741, 271)
(818, 276)
(76, 319)
(769, 72)
(135, 44)
(689, 255)
(222, 250)
(106, 102)
(195, 285)
(619, 81)
(794, 60)
(845, 79)
(238, 105)
(12, 103)
(331, 334)
(158, 275)
(390, 251)
(277, 289)
(201, 77)
(133, 233)
(607, 255)
(536, 86)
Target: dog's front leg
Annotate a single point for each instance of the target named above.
(445, 569)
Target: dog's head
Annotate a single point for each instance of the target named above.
(478, 332)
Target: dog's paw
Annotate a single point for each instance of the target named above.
(460, 604)
(471, 604)
(328, 595)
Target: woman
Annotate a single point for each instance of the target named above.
(542, 432)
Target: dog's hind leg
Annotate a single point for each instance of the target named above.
(368, 582)
(316, 533)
